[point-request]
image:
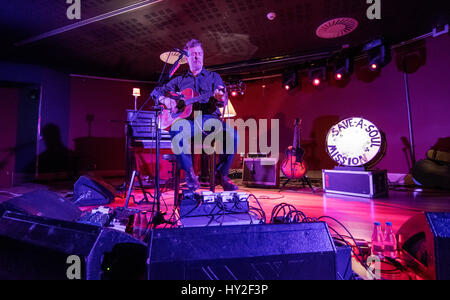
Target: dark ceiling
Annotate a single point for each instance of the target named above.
(129, 44)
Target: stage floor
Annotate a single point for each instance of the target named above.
(357, 214)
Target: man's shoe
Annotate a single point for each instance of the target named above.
(227, 184)
(192, 180)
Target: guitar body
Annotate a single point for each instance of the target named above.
(294, 167)
(182, 111)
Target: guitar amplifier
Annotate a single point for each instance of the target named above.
(262, 172)
(370, 184)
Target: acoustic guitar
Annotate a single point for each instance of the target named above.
(180, 106)
(294, 167)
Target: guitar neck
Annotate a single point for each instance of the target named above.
(294, 143)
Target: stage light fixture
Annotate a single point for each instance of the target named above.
(378, 54)
(317, 75)
(342, 68)
(236, 88)
(289, 80)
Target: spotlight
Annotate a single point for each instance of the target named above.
(289, 80)
(342, 68)
(317, 75)
(235, 88)
(379, 54)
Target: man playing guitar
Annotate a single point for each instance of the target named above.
(202, 82)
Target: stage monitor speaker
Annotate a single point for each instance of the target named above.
(244, 252)
(89, 190)
(262, 172)
(424, 244)
(38, 248)
(43, 203)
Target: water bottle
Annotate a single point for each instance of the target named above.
(377, 240)
(390, 242)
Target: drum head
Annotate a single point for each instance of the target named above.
(356, 142)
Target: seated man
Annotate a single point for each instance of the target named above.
(202, 82)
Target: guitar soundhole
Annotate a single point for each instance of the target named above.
(181, 105)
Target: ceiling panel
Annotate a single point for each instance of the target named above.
(129, 44)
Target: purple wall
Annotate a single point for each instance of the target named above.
(381, 101)
(9, 100)
(106, 101)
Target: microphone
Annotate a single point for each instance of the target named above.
(174, 68)
(183, 52)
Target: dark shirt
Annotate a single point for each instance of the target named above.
(205, 82)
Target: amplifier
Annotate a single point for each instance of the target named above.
(370, 184)
(209, 203)
(261, 171)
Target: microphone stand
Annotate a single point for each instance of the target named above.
(158, 217)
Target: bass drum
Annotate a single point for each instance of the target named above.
(356, 142)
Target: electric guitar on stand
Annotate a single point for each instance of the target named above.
(294, 166)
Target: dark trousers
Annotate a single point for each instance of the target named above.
(190, 131)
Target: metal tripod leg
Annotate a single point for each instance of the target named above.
(130, 187)
(306, 179)
(285, 183)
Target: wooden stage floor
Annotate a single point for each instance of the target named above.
(357, 214)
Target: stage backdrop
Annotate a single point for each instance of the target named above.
(380, 99)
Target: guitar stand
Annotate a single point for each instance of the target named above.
(141, 186)
(304, 179)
